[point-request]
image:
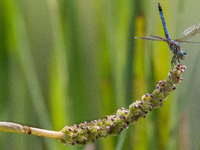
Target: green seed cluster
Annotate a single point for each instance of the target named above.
(87, 132)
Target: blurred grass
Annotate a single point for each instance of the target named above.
(65, 62)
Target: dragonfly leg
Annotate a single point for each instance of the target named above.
(173, 61)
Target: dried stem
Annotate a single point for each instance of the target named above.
(18, 128)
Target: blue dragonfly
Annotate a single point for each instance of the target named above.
(174, 45)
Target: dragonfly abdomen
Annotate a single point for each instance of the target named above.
(163, 22)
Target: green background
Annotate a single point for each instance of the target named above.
(68, 61)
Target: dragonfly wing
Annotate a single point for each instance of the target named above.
(189, 42)
(153, 38)
(189, 32)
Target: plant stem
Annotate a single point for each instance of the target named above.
(18, 128)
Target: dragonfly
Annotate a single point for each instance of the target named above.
(174, 45)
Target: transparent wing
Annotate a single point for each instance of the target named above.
(188, 42)
(153, 38)
(188, 33)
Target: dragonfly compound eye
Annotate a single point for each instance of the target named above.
(182, 54)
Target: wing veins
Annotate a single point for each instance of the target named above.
(153, 38)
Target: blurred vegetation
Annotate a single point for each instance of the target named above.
(65, 62)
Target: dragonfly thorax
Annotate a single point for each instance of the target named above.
(182, 54)
(176, 42)
(174, 46)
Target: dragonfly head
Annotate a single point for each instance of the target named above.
(182, 54)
